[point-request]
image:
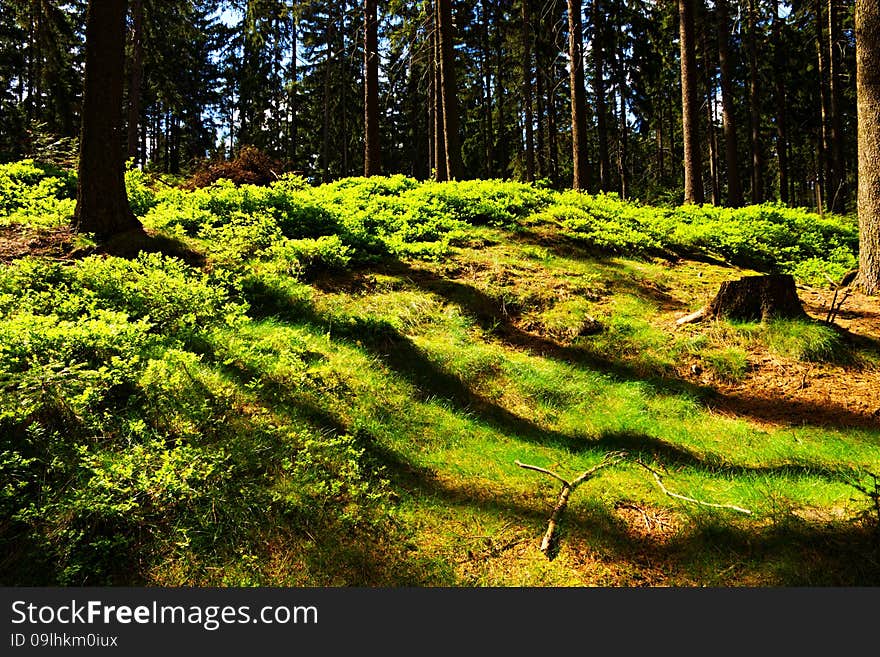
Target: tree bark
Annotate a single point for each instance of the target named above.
(372, 155)
(529, 118)
(757, 298)
(578, 102)
(693, 180)
(824, 153)
(449, 91)
(101, 202)
(752, 299)
(868, 102)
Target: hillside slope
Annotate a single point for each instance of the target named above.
(338, 394)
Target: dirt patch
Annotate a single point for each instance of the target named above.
(782, 391)
(859, 316)
(18, 241)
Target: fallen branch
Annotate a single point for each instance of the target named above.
(567, 488)
(659, 480)
(610, 459)
(697, 316)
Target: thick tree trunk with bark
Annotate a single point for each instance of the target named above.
(868, 99)
(752, 299)
(101, 202)
(580, 166)
(372, 156)
(449, 92)
(693, 177)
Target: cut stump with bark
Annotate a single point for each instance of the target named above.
(753, 298)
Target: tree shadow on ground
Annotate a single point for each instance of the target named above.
(490, 316)
(787, 551)
(131, 243)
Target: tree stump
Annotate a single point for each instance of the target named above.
(753, 298)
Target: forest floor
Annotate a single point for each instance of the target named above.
(785, 391)
(258, 421)
(21, 240)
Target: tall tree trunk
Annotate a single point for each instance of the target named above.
(529, 118)
(623, 141)
(247, 77)
(36, 40)
(502, 148)
(755, 108)
(294, 90)
(580, 166)
(372, 155)
(101, 201)
(709, 69)
(31, 72)
(431, 96)
(599, 91)
(824, 154)
(781, 109)
(819, 187)
(136, 77)
(325, 127)
(553, 140)
(661, 160)
(440, 172)
(341, 72)
(693, 178)
(541, 120)
(449, 91)
(868, 101)
(837, 189)
(174, 145)
(487, 82)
